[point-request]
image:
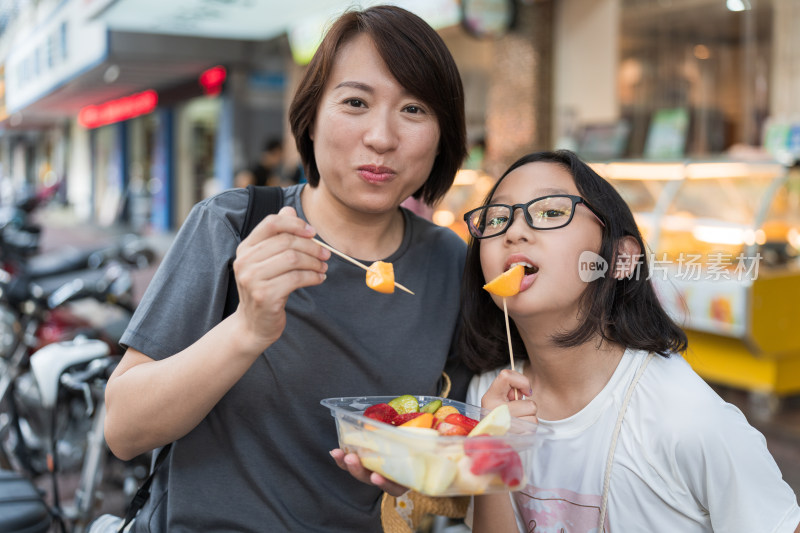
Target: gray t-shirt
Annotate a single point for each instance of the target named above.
(259, 461)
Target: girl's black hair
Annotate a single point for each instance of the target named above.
(626, 311)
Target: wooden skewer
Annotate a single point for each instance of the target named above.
(357, 263)
(510, 349)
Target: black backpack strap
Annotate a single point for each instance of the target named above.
(262, 201)
(144, 491)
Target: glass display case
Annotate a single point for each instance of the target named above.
(723, 241)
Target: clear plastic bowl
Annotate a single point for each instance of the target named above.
(433, 464)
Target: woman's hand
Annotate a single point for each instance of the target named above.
(277, 258)
(352, 464)
(502, 391)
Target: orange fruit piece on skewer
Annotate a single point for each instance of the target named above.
(380, 277)
(381, 271)
(507, 284)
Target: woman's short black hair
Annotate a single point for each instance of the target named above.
(419, 60)
(626, 311)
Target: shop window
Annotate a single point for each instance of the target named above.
(699, 59)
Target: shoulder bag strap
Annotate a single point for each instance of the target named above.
(262, 201)
(614, 438)
(143, 493)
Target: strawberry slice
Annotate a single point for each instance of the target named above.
(461, 420)
(382, 412)
(512, 473)
(484, 443)
(488, 463)
(494, 456)
(451, 430)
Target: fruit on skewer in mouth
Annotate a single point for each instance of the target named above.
(505, 285)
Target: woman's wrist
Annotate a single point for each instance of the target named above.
(246, 341)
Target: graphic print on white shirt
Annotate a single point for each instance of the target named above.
(558, 511)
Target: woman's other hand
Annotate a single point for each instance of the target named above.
(351, 463)
(277, 258)
(502, 390)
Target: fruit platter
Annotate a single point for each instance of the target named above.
(436, 446)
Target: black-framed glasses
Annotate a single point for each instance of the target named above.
(547, 212)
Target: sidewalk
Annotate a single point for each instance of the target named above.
(61, 228)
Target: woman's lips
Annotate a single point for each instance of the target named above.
(376, 174)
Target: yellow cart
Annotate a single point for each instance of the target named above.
(724, 249)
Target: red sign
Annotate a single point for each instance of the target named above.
(212, 79)
(94, 116)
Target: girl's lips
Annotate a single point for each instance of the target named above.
(531, 269)
(527, 281)
(376, 174)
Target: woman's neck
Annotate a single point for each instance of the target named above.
(565, 380)
(366, 236)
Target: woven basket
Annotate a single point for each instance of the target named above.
(404, 514)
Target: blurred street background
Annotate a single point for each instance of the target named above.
(117, 116)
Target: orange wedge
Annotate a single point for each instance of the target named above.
(425, 420)
(507, 283)
(380, 277)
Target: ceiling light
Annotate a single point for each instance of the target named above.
(738, 5)
(111, 74)
(701, 51)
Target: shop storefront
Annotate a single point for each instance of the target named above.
(197, 122)
(653, 79)
(139, 135)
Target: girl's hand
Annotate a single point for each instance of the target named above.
(352, 464)
(502, 391)
(275, 259)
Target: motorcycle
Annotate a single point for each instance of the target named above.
(53, 370)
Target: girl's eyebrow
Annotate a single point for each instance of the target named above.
(551, 190)
(539, 193)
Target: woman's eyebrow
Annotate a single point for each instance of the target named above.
(355, 85)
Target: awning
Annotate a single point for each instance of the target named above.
(91, 51)
(304, 21)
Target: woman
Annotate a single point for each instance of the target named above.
(378, 116)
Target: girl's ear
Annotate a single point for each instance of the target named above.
(628, 256)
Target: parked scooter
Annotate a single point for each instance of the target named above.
(51, 397)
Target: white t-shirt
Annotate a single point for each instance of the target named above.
(686, 461)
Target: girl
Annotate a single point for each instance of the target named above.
(636, 440)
